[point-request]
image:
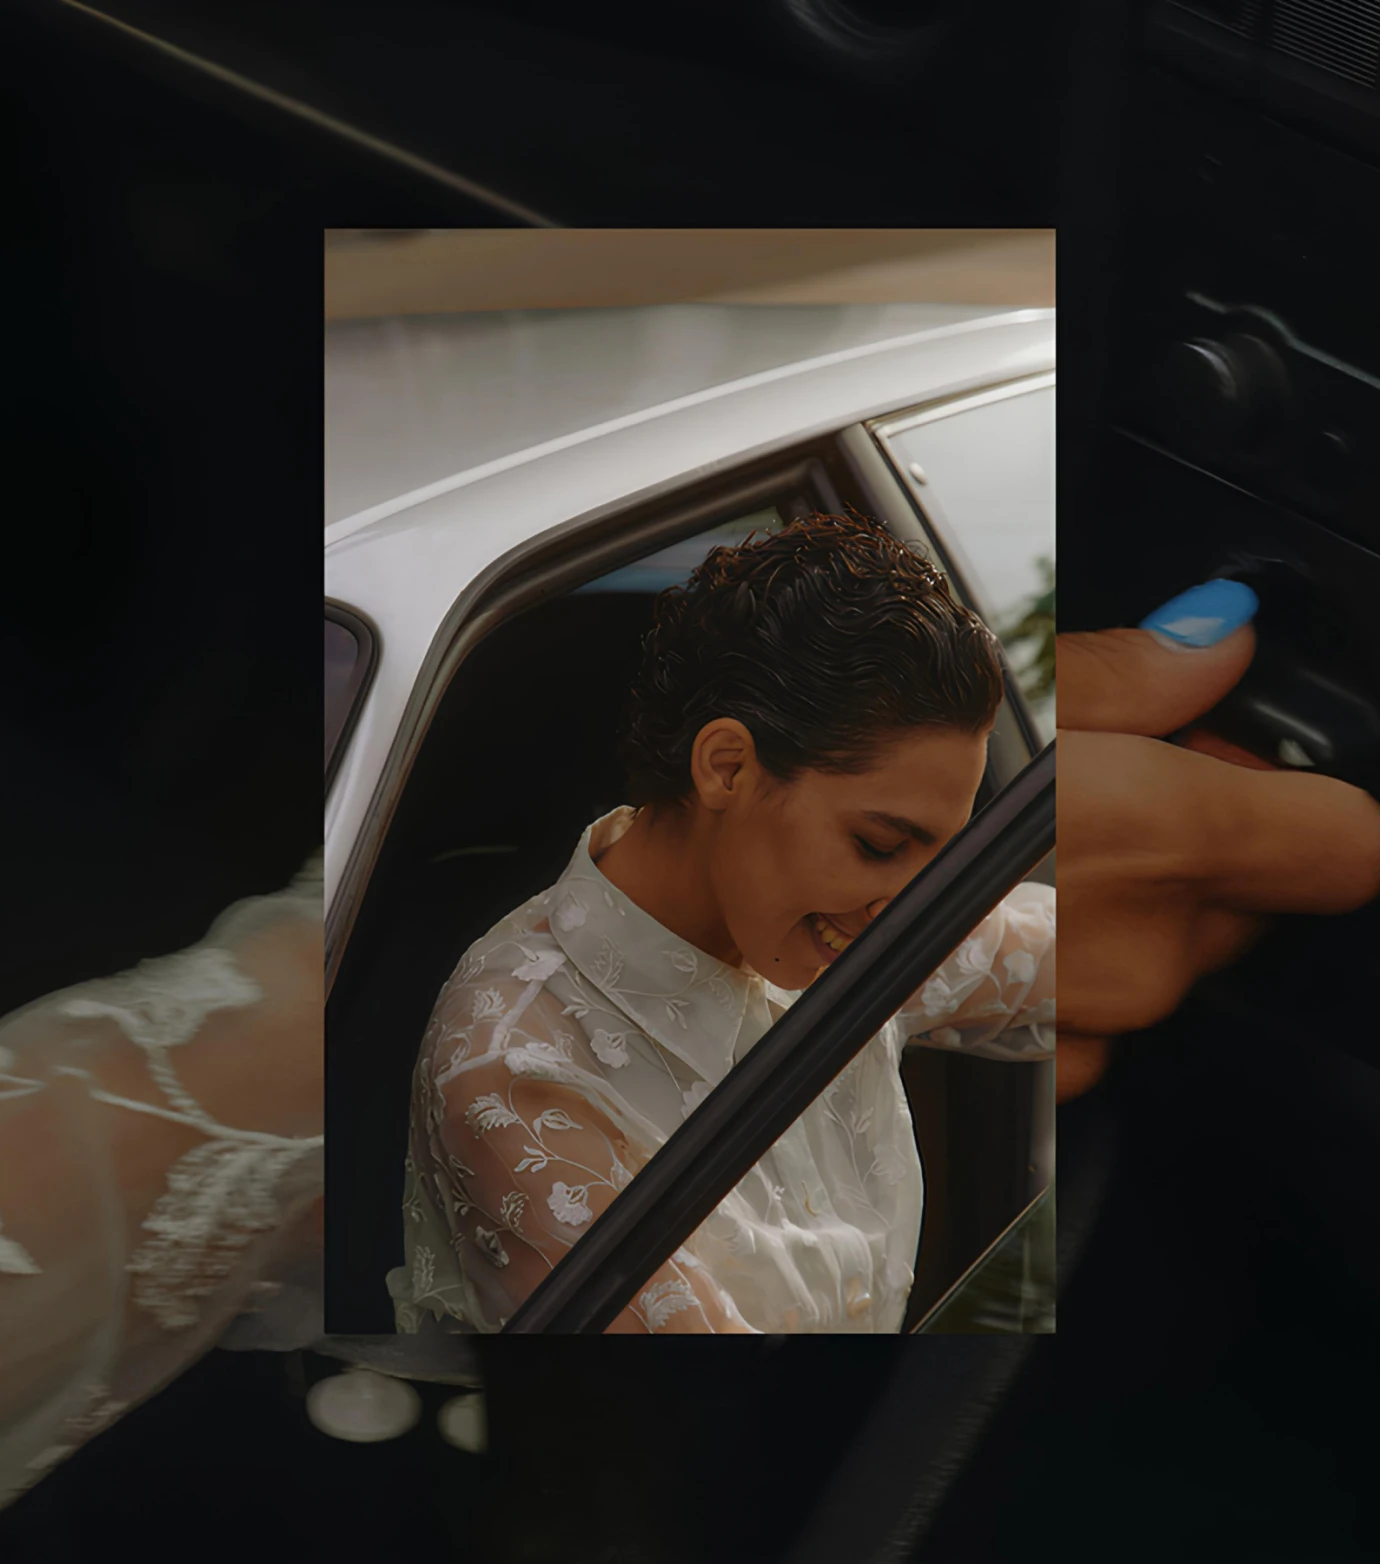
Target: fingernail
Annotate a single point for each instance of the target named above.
(1202, 616)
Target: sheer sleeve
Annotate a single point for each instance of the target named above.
(160, 1158)
(994, 996)
(524, 1147)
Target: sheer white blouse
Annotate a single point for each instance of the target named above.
(576, 1036)
(160, 1165)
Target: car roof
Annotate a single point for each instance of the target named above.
(413, 401)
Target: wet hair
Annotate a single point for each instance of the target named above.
(827, 640)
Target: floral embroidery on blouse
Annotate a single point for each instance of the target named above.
(570, 1205)
(663, 1300)
(610, 1048)
(489, 1112)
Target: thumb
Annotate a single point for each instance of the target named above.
(1185, 657)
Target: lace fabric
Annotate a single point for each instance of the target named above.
(577, 1035)
(150, 1185)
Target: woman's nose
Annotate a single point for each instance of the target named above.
(874, 908)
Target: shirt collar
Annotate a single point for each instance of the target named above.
(691, 1003)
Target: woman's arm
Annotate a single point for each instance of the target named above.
(160, 1151)
(994, 996)
(523, 1159)
(553, 1169)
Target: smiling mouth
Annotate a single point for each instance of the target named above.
(829, 934)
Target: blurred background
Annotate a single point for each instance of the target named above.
(418, 271)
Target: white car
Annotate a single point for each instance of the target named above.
(504, 495)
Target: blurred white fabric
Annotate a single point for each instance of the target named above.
(161, 1171)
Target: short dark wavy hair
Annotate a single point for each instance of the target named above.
(827, 640)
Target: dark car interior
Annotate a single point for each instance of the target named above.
(501, 793)
(1214, 166)
(1219, 406)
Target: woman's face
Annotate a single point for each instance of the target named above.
(799, 869)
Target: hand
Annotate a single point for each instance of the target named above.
(1169, 859)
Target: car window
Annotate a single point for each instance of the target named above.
(670, 566)
(1011, 1289)
(982, 471)
(349, 663)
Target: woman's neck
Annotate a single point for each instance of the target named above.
(660, 863)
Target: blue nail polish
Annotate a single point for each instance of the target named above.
(1204, 615)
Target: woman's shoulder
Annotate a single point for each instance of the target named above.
(506, 970)
(498, 999)
(1031, 893)
(525, 928)
(1031, 899)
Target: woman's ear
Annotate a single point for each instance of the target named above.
(723, 763)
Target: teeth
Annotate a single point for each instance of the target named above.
(830, 935)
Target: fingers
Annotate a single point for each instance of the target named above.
(1173, 856)
(1205, 743)
(1137, 811)
(1220, 936)
(1080, 1063)
(1125, 954)
(1290, 842)
(1125, 681)
(1168, 858)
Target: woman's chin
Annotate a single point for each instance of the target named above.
(793, 983)
(792, 974)
(785, 972)
(797, 963)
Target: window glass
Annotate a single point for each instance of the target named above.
(670, 566)
(343, 652)
(1011, 1291)
(990, 468)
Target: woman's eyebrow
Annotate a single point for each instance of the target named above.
(904, 826)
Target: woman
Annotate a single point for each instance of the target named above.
(808, 729)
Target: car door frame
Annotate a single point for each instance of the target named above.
(937, 1077)
(361, 677)
(944, 534)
